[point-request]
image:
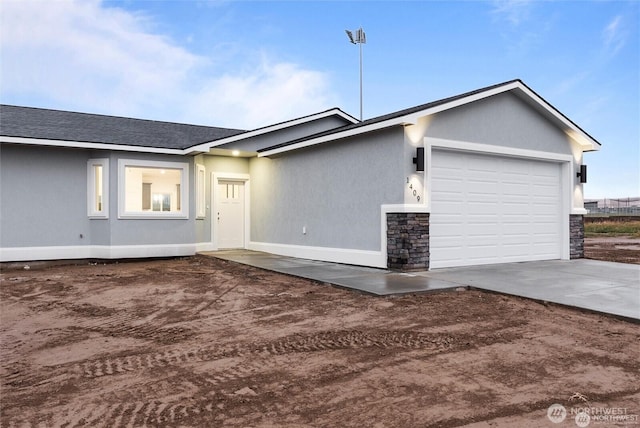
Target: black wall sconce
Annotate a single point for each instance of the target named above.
(419, 159)
(582, 174)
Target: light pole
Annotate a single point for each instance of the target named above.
(359, 39)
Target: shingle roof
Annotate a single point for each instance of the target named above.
(29, 122)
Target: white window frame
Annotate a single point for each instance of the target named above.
(201, 196)
(92, 212)
(184, 189)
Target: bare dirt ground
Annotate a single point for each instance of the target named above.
(623, 249)
(204, 342)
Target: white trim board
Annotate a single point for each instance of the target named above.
(335, 255)
(489, 149)
(16, 254)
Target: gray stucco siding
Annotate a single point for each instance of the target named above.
(502, 120)
(43, 196)
(334, 190)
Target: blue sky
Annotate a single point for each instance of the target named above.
(246, 64)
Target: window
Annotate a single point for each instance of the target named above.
(149, 189)
(98, 188)
(201, 199)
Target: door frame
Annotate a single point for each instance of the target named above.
(229, 176)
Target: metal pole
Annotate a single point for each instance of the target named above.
(360, 81)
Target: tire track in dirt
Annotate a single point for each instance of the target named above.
(200, 407)
(325, 341)
(322, 341)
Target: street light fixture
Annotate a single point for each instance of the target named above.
(359, 38)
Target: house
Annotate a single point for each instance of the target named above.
(489, 176)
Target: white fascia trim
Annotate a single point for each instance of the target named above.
(397, 121)
(85, 145)
(442, 143)
(335, 255)
(16, 254)
(204, 148)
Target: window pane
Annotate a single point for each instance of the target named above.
(97, 203)
(152, 189)
(200, 195)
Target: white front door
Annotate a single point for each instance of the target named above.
(230, 214)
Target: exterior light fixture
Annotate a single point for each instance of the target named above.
(359, 38)
(236, 153)
(582, 174)
(419, 159)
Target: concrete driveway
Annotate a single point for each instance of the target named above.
(612, 288)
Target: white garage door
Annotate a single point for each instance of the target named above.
(492, 209)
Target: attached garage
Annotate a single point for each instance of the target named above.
(494, 209)
(487, 177)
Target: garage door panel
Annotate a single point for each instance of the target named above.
(496, 210)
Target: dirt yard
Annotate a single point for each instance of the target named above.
(623, 249)
(204, 342)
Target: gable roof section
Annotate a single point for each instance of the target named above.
(348, 119)
(28, 125)
(411, 115)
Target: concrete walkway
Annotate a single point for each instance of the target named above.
(612, 288)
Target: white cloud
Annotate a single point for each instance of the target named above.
(614, 35)
(513, 11)
(84, 55)
(270, 93)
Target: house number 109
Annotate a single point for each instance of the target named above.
(415, 193)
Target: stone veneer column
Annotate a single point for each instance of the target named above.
(576, 236)
(408, 241)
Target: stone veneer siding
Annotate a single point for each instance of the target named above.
(576, 236)
(408, 241)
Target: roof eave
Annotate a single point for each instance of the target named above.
(204, 147)
(88, 145)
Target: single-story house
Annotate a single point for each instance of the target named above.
(490, 176)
